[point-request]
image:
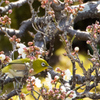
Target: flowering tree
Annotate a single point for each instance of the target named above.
(59, 18)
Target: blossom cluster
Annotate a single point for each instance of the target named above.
(66, 74)
(50, 11)
(22, 96)
(32, 52)
(58, 94)
(70, 10)
(14, 39)
(33, 82)
(94, 34)
(55, 91)
(44, 2)
(94, 30)
(4, 59)
(5, 20)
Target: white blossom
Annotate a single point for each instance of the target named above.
(56, 77)
(38, 82)
(20, 45)
(67, 75)
(63, 89)
(2, 57)
(48, 80)
(74, 95)
(67, 86)
(32, 78)
(21, 49)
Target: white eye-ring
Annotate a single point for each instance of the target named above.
(43, 64)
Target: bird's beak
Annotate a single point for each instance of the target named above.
(50, 67)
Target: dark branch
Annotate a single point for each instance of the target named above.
(12, 5)
(90, 11)
(23, 28)
(12, 93)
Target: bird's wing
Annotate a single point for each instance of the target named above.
(18, 66)
(13, 73)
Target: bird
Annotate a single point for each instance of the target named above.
(17, 67)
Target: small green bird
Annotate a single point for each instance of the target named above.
(17, 67)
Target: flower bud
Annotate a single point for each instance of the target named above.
(22, 96)
(52, 81)
(58, 69)
(56, 91)
(10, 11)
(31, 70)
(43, 91)
(28, 80)
(58, 97)
(36, 48)
(95, 36)
(9, 22)
(29, 77)
(97, 64)
(53, 15)
(62, 97)
(50, 12)
(56, 77)
(14, 37)
(18, 40)
(73, 53)
(3, 22)
(76, 49)
(29, 89)
(99, 31)
(65, 54)
(30, 43)
(5, 17)
(88, 41)
(54, 95)
(6, 2)
(70, 95)
(2, 52)
(80, 9)
(11, 39)
(93, 59)
(62, 74)
(28, 86)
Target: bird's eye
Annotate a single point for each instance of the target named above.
(43, 64)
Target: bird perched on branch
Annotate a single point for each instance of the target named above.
(17, 67)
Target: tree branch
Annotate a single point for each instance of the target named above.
(12, 5)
